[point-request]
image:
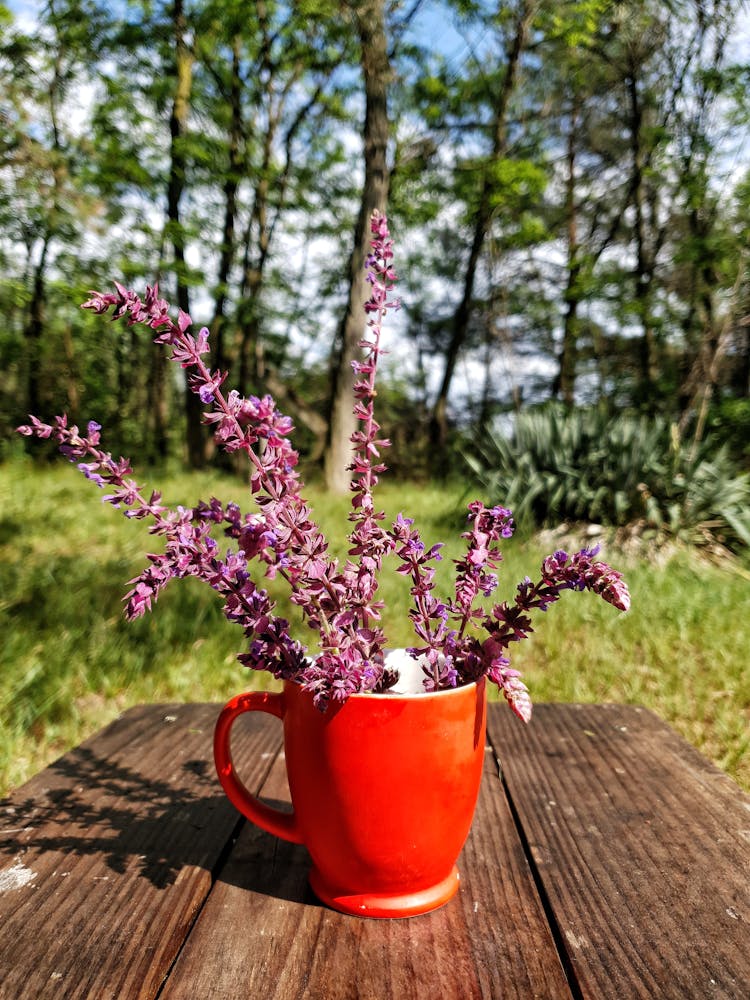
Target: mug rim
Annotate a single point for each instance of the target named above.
(392, 695)
(401, 696)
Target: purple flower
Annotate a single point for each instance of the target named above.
(459, 639)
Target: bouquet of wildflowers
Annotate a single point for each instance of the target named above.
(457, 642)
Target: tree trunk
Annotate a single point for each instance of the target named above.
(741, 369)
(231, 184)
(34, 329)
(35, 323)
(369, 16)
(704, 376)
(71, 382)
(644, 262)
(482, 220)
(566, 377)
(183, 67)
(252, 350)
(157, 408)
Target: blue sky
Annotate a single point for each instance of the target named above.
(27, 9)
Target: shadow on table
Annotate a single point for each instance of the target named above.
(91, 807)
(262, 863)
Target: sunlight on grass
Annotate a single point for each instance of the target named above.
(70, 662)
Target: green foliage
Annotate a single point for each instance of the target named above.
(515, 180)
(730, 422)
(575, 22)
(587, 465)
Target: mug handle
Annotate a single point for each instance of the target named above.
(281, 824)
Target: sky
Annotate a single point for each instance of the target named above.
(24, 10)
(446, 38)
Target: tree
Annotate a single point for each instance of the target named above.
(244, 112)
(181, 69)
(494, 172)
(272, 92)
(369, 19)
(707, 263)
(46, 204)
(559, 189)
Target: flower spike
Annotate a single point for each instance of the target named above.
(458, 640)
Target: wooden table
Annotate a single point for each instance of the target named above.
(607, 859)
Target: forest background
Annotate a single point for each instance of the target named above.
(568, 185)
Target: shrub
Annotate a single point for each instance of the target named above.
(730, 421)
(557, 465)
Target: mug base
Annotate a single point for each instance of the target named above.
(384, 905)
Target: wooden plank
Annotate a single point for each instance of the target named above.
(262, 933)
(106, 857)
(641, 845)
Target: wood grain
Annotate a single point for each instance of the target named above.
(106, 857)
(642, 849)
(262, 933)
(607, 841)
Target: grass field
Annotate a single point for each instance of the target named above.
(70, 662)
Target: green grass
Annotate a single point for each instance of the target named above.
(69, 662)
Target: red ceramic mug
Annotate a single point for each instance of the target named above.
(383, 790)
